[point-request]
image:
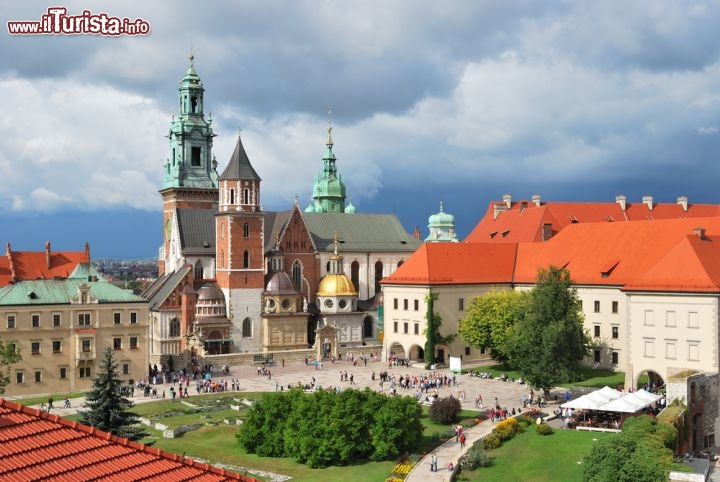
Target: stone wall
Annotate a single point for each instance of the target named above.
(290, 356)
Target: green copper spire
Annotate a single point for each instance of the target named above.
(329, 187)
(191, 163)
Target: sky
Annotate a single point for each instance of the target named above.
(457, 102)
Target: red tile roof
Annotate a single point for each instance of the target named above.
(32, 265)
(457, 263)
(524, 220)
(36, 445)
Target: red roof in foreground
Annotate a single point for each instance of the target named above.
(32, 265)
(36, 445)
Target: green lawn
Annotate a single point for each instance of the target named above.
(530, 457)
(57, 399)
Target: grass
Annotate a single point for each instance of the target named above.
(437, 433)
(57, 399)
(598, 378)
(529, 457)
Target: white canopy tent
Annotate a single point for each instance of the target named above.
(593, 400)
(610, 400)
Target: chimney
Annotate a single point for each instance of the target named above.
(8, 251)
(536, 199)
(507, 199)
(699, 232)
(648, 201)
(682, 200)
(87, 250)
(416, 233)
(498, 208)
(47, 253)
(620, 199)
(546, 231)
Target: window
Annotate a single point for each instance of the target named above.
(195, 156)
(35, 320)
(117, 343)
(405, 305)
(670, 319)
(246, 196)
(395, 303)
(12, 348)
(38, 376)
(405, 327)
(693, 320)
(11, 321)
(117, 318)
(616, 332)
(354, 273)
(63, 373)
(649, 318)
(395, 326)
(650, 348)
(86, 345)
(297, 275)
(246, 259)
(57, 346)
(614, 306)
(467, 350)
(232, 196)
(596, 306)
(84, 319)
(246, 230)
(19, 377)
(693, 351)
(596, 355)
(125, 368)
(378, 276)
(417, 328)
(247, 328)
(615, 358)
(174, 327)
(35, 347)
(133, 342)
(596, 331)
(133, 317)
(670, 350)
(368, 327)
(416, 304)
(56, 319)
(461, 304)
(84, 372)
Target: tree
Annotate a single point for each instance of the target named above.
(549, 340)
(489, 320)
(432, 331)
(107, 408)
(8, 356)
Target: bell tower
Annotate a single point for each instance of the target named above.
(190, 178)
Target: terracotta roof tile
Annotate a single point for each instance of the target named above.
(31, 265)
(35, 444)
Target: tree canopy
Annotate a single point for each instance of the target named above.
(107, 408)
(8, 356)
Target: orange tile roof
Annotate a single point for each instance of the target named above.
(35, 445)
(456, 263)
(32, 265)
(524, 220)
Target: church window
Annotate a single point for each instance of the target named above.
(246, 230)
(342, 304)
(247, 328)
(378, 275)
(285, 304)
(355, 274)
(297, 275)
(246, 196)
(246, 259)
(173, 156)
(195, 159)
(198, 272)
(194, 104)
(174, 327)
(367, 327)
(232, 196)
(329, 303)
(327, 267)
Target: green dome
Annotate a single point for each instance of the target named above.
(441, 219)
(350, 208)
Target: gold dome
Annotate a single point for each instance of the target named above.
(336, 285)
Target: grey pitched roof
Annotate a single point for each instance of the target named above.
(359, 232)
(161, 288)
(274, 223)
(239, 166)
(197, 231)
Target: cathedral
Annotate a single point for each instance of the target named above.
(235, 278)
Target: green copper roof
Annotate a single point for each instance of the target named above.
(329, 187)
(442, 227)
(61, 291)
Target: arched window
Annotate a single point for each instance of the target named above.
(232, 196)
(355, 274)
(378, 275)
(246, 196)
(174, 327)
(327, 267)
(247, 328)
(246, 259)
(198, 271)
(297, 275)
(368, 327)
(246, 230)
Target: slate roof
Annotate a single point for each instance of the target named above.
(197, 231)
(34, 265)
(359, 232)
(274, 223)
(239, 166)
(524, 220)
(160, 289)
(36, 445)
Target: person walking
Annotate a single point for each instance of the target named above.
(433, 463)
(462, 441)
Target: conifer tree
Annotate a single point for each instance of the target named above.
(107, 408)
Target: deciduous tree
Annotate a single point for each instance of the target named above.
(8, 356)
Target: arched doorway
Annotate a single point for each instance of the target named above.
(213, 345)
(396, 350)
(649, 380)
(368, 325)
(417, 354)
